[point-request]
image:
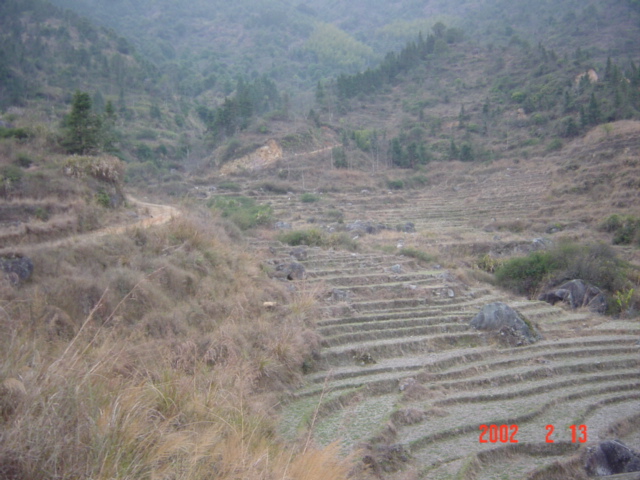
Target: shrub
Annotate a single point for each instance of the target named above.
(395, 184)
(12, 173)
(317, 238)
(626, 230)
(18, 133)
(312, 237)
(596, 264)
(23, 160)
(417, 254)
(105, 167)
(525, 274)
(231, 186)
(243, 211)
(309, 198)
(274, 187)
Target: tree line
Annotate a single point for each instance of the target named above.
(236, 112)
(415, 52)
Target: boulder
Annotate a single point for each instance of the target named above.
(299, 253)
(577, 293)
(16, 268)
(338, 295)
(291, 271)
(408, 227)
(503, 320)
(610, 458)
(361, 227)
(397, 269)
(282, 226)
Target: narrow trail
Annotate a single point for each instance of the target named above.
(155, 214)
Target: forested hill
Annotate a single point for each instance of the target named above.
(204, 46)
(46, 53)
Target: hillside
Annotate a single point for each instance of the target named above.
(247, 241)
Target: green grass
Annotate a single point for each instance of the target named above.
(315, 237)
(243, 211)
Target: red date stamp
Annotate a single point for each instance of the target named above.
(507, 433)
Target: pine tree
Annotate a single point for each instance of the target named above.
(83, 128)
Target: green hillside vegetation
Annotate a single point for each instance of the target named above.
(443, 99)
(48, 52)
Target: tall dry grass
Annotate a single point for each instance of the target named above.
(150, 355)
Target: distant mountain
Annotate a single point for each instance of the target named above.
(204, 45)
(46, 53)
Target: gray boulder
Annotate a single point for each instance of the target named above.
(360, 227)
(17, 269)
(408, 227)
(610, 458)
(291, 271)
(501, 319)
(577, 293)
(282, 226)
(338, 295)
(299, 253)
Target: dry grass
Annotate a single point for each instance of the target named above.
(150, 355)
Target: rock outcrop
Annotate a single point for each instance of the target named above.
(291, 271)
(577, 293)
(502, 320)
(610, 458)
(16, 269)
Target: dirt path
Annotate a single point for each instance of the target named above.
(152, 213)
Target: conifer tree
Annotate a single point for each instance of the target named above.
(83, 128)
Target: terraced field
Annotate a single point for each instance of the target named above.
(402, 377)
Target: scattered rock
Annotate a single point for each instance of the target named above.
(282, 226)
(299, 253)
(577, 293)
(406, 383)
(12, 393)
(58, 323)
(408, 416)
(386, 458)
(540, 243)
(397, 269)
(611, 457)
(503, 320)
(363, 358)
(291, 271)
(338, 295)
(362, 227)
(17, 269)
(408, 227)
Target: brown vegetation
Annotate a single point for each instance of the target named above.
(150, 354)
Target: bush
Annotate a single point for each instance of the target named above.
(312, 237)
(596, 264)
(395, 184)
(12, 173)
(243, 211)
(231, 186)
(317, 238)
(309, 198)
(18, 133)
(525, 274)
(626, 230)
(417, 254)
